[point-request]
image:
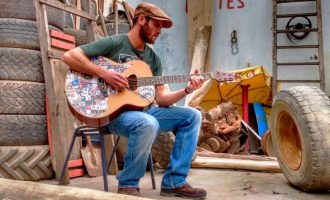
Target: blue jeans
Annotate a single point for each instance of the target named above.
(142, 128)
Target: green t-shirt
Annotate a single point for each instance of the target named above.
(119, 49)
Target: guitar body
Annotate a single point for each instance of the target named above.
(95, 103)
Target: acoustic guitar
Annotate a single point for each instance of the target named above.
(95, 103)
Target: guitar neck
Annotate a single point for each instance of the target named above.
(157, 80)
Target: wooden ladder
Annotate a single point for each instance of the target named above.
(52, 45)
(319, 46)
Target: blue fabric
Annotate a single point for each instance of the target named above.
(141, 129)
(261, 118)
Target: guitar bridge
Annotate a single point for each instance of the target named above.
(102, 86)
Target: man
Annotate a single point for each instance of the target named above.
(141, 128)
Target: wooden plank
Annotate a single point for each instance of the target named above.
(129, 12)
(298, 30)
(274, 49)
(73, 173)
(61, 45)
(292, 1)
(49, 133)
(296, 15)
(58, 154)
(91, 27)
(200, 49)
(104, 29)
(75, 163)
(11, 189)
(62, 36)
(55, 54)
(77, 18)
(116, 17)
(68, 8)
(320, 41)
(298, 47)
(200, 53)
(64, 118)
(225, 163)
(206, 153)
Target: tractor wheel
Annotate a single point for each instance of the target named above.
(300, 127)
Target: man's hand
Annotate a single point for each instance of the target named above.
(116, 80)
(194, 83)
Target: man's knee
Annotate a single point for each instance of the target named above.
(194, 114)
(150, 125)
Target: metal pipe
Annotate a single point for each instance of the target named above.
(251, 129)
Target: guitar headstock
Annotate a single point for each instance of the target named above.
(222, 76)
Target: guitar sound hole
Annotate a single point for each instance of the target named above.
(132, 82)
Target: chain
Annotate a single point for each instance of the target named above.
(234, 46)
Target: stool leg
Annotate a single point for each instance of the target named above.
(152, 173)
(113, 152)
(104, 162)
(65, 164)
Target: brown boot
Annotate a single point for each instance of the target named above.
(129, 191)
(185, 191)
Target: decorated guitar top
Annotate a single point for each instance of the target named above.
(95, 103)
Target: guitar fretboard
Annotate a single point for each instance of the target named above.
(156, 80)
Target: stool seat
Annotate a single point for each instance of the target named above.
(100, 131)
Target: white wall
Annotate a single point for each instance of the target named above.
(252, 19)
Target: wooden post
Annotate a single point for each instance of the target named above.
(77, 18)
(200, 52)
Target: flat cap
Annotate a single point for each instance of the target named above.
(150, 10)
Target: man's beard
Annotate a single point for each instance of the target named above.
(144, 33)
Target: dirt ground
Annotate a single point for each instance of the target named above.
(219, 183)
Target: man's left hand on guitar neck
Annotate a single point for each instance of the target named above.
(194, 83)
(166, 98)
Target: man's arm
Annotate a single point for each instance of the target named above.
(77, 61)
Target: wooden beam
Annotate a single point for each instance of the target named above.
(200, 53)
(61, 45)
(225, 163)
(77, 18)
(68, 8)
(62, 36)
(55, 54)
(235, 156)
(11, 189)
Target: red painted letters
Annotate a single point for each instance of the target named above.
(231, 4)
(240, 4)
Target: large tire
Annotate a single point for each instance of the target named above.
(21, 64)
(19, 33)
(300, 128)
(25, 9)
(21, 97)
(23, 130)
(25, 163)
(162, 148)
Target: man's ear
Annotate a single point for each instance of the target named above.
(141, 19)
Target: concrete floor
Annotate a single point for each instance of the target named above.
(220, 183)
